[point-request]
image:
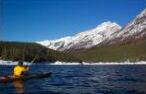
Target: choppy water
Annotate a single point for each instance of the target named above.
(102, 79)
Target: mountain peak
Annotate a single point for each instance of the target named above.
(107, 24)
(105, 27)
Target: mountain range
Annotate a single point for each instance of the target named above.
(86, 39)
(107, 42)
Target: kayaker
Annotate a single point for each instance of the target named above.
(20, 70)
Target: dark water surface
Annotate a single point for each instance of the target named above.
(80, 79)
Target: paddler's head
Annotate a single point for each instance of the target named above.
(20, 63)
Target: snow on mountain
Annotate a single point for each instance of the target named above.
(84, 39)
(133, 31)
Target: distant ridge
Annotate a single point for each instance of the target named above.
(86, 39)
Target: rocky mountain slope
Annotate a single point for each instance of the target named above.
(86, 39)
(135, 30)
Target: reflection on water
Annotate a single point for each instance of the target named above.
(122, 79)
(19, 86)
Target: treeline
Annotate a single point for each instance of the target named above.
(31, 51)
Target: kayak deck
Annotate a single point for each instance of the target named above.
(6, 79)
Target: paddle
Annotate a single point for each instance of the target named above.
(35, 57)
(23, 58)
(33, 60)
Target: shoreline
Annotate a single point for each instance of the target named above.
(101, 63)
(3, 62)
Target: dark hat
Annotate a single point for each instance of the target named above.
(20, 63)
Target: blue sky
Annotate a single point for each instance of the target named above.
(35, 20)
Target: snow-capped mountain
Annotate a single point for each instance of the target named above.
(135, 30)
(84, 39)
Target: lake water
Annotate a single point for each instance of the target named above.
(81, 79)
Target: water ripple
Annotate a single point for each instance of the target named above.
(81, 80)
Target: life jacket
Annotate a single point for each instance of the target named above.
(19, 70)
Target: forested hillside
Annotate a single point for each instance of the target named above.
(29, 51)
(133, 52)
